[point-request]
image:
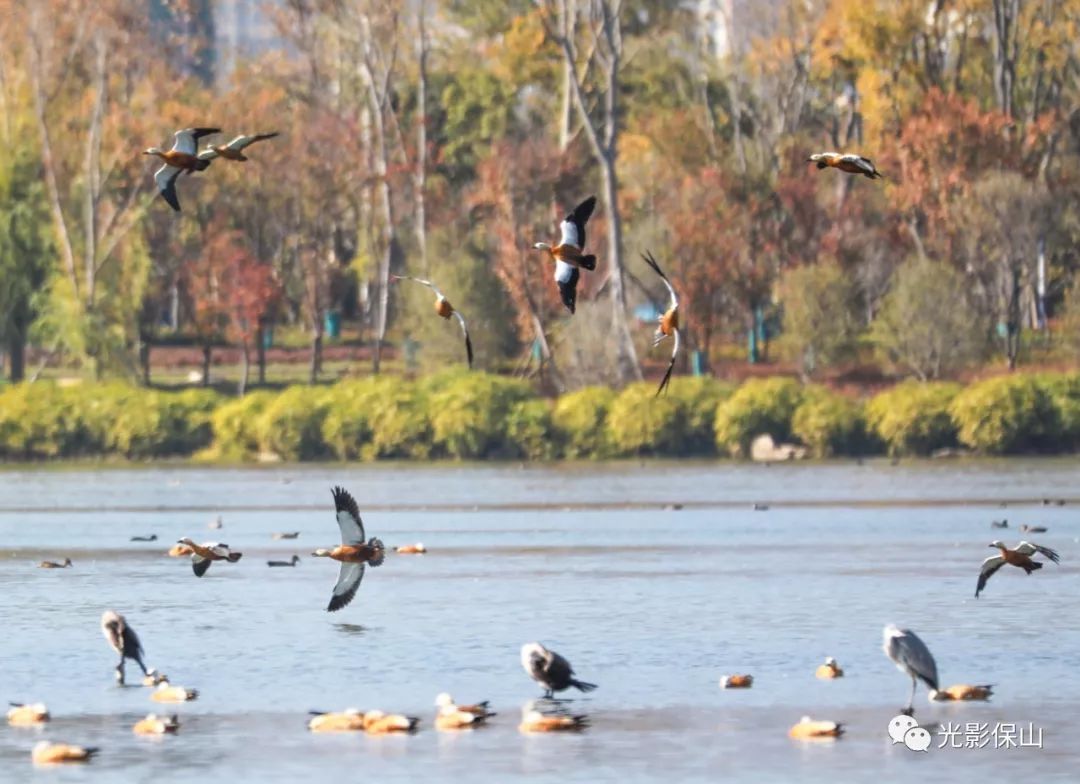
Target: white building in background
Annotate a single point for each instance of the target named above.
(242, 29)
(730, 25)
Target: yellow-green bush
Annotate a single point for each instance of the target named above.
(830, 424)
(758, 406)
(640, 423)
(398, 414)
(913, 418)
(42, 420)
(1005, 415)
(580, 421)
(233, 424)
(291, 424)
(468, 413)
(1064, 392)
(699, 396)
(346, 430)
(528, 429)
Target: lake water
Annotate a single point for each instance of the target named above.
(654, 604)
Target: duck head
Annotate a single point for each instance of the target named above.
(541, 246)
(322, 552)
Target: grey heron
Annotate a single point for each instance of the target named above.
(122, 639)
(550, 670)
(912, 657)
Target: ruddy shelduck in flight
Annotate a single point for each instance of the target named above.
(46, 753)
(809, 729)
(444, 309)
(669, 322)
(1020, 558)
(156, 725)
(123, 639)
(348, 720)
(830, 669)
(550, 670)
(234, 150)
(963, 692)
(183, 157)
(569, 254)
(27, 714)
(852, 164)
(532, 720)
(739, 681)
(353, 553)
(202, 555)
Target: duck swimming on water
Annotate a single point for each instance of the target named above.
(54, 565)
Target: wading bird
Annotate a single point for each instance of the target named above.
(54, 565)
(809, 729)
(348, 720)
(741, 681)
(912, 657)
(550, 670)
(532, 720)
(234, 150)
(830, 669)
(202, 555)
(353, 553)
(669, 322)
(182, 157)
(156, 725)
(963, 693)
(150, 538)
(1020, 557)
(852, 164)
(568, 254)
(445, 309)
(291, 562)
(27, 715)
(123, 639)
(46, 753)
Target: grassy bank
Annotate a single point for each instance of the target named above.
(468, 416)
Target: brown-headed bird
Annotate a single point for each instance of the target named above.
(852, 164)
(353, 553)
(1019, 557)
(668, 325)
(183, 157)
(569, 254)
(444, 309)
(234, 150)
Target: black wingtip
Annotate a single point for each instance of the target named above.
(651, 261)
(169, 195)
(666, 379)
(583, 211)
(468, 350)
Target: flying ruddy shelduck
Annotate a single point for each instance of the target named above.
(376, 722)
(353, 553)
(911, 657)
(123, 639)
(740, 681)
(202, 555)
(852, 164)
(348, 720)
(234, 150)
(963, 693)
(156, 725)
(809, 729)
(54, 565)
(830, 669)
(532, 720)
(550, 670)
(1020, 557)
(183, 157)
(569, 254)
(27, 714)
(166, 692)
(46, 753)
(459, 717)
(669, 322)
(444, 309)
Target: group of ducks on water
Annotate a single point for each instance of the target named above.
(568, 254)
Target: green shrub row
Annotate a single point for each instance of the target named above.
(467, 416)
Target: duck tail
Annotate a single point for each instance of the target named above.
(92, 750)
(587, 262)
(380, 551)
(582, 685)
(234, 557)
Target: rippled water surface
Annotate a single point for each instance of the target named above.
(652, 602)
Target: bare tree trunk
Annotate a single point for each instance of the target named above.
(316, 356)
(260, 353)
(144, 359)
(1006, 17)
(16, 351)
(92, 172)
(245, 365)
(421, 138)
(206, 352)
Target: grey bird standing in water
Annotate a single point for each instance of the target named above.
(123, 640)
(912, 657)
(550, 670)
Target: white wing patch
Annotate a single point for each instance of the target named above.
(564, 271)
(352, 531)
(184, 141)
(348, 582)
(569, 234)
